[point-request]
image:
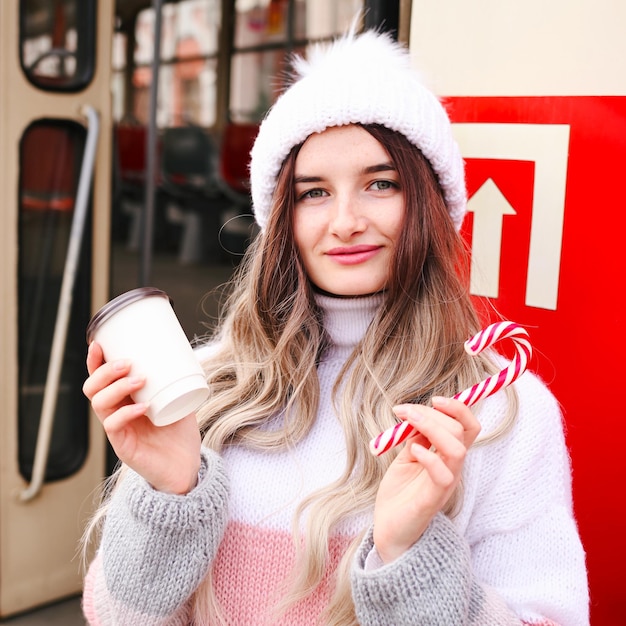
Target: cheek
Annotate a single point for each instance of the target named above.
(305, 231)
(396, 224)
(299, 230)
(302, 246)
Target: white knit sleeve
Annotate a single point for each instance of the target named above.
(511, 556)
(521, 528)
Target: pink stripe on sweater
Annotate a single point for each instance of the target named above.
(89, 610)
(251, 568)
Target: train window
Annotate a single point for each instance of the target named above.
(118, 79)
(269, 20)
(188, 64)
(57, 43)
(284, 20)
(50, 159)
(254, 83)
(266, 33)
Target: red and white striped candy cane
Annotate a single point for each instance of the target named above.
(485, 338)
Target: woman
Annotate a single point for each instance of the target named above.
(349, 312)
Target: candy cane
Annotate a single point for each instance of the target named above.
(485, 338)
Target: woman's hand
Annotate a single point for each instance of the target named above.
(424, 475)
(168, 457)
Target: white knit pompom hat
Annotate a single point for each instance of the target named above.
(367, 79)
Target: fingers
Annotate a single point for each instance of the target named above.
(461, 413)
(95, 357)
(448, 414)
(121, 418)
(449, 427)
(109, 385)
(102, 374)
(442, 474)
(118, 393)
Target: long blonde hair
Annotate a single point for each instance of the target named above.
(271, 339)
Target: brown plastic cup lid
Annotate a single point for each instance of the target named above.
(119, 302)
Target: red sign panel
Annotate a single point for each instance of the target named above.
(547, 184)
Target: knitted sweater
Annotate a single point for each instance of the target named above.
(512, 554)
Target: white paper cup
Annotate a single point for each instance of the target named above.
(140, 325)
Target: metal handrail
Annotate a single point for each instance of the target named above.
(55, 363)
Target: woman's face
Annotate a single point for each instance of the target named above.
(349, 211)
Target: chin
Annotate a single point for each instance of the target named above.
(350, 284)
(348, 292)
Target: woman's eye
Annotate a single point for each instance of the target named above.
(384, 185)
(312, 193)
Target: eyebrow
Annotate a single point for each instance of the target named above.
(370, 169)
(381, 167)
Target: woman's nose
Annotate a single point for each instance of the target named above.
(347, 219)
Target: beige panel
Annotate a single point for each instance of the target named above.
(529, 48)
(39, 540)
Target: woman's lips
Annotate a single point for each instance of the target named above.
(353, 255)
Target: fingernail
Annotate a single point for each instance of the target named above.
(440, 400)
(417, 450)
(402, 412)
(141, 408)
(399, 411)
(136, 380)
(122, 364)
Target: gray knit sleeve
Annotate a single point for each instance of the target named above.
(156, 547)
(430, 585)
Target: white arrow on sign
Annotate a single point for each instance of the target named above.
(489, 207)
(547, 145)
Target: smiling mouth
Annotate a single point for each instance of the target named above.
(353, 255)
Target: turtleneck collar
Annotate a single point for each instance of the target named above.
(347, 319)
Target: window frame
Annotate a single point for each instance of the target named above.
(85, 54)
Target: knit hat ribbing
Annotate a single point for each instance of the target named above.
(365, 79)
